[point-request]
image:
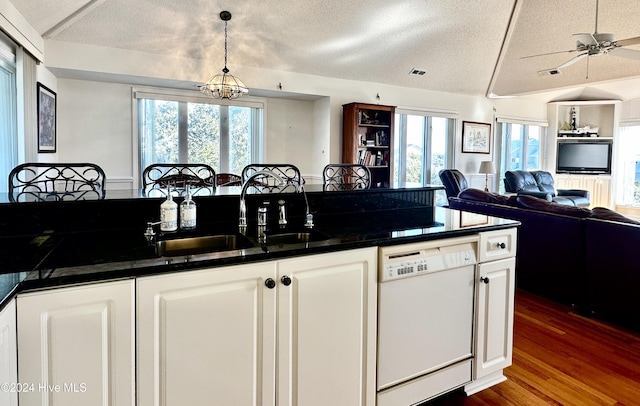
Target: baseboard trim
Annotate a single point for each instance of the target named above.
(484, 383)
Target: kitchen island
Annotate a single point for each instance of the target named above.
(277, 337)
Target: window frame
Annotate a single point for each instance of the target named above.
(9, 141)
(140, 93)
(621, 154)
(427, 139)
(502, 143)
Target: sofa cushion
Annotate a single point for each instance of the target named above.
(487, 197)
(533, 203)
(520, 181)
(545, 181)
(602, 213)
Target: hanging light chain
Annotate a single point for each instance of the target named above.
(225, 47)
(225, 85)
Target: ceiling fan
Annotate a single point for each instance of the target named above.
(597, 44)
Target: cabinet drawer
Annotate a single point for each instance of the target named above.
(497, 244)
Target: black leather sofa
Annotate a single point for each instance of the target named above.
(576, 256)
(453, 180)
(613, 270)
(540, 184)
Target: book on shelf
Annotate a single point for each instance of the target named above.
(368, 158)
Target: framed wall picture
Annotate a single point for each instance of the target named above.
(46, 119)
(476, 137)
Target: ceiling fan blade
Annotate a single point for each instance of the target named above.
(549, 53)
(625, 53)
(627, 42)
(573, 60)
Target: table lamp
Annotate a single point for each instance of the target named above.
(487, 168)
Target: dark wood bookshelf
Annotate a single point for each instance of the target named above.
(367, 138)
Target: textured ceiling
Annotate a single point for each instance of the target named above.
(543, 26)
(459, 43)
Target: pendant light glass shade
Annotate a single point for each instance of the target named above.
(225, 85)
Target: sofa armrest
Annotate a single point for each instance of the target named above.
(574, 192)
(542, 195)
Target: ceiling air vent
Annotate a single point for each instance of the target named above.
(418, 72)
(549, 72)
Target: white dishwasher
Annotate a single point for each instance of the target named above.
(425, 319)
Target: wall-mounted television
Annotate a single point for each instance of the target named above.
(584, 156)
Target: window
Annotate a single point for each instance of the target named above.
(628, 158)
(8, 111)
(422, 147)
(520, 146)
(192, 129)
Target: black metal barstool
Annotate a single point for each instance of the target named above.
(158, 177)
(346, 177)
(39, 181)
(289, 174)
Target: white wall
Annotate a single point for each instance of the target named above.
(291, 135)
(95, 125)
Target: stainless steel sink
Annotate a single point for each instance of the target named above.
(202, 245)
(295, 237)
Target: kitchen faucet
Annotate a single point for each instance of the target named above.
(243, 207)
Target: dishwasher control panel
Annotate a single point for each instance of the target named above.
(416, 259)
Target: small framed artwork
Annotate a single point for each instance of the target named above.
(46, 119)
(476, 137)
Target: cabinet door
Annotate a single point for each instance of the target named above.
(327, 329)
(76, 345)
(8, 359)
(207, 337)
(599, 187)
(494, 313)
(569, 182)
(604, 192)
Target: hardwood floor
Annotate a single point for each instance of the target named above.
(562, 358)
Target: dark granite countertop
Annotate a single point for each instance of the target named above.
(50, 260)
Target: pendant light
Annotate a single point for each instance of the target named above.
(225, 85)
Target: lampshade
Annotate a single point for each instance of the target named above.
(225, 85)
(487, 167)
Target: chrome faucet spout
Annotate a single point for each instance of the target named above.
(243, 206)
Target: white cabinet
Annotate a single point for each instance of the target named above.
(76, 345)
(8, 358)
(495, 294)
(223, 334)
(599, 187)
(494, 316)
(207, 335)
(327, 329)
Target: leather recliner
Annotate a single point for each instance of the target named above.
(540, 184)
(454, 182)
